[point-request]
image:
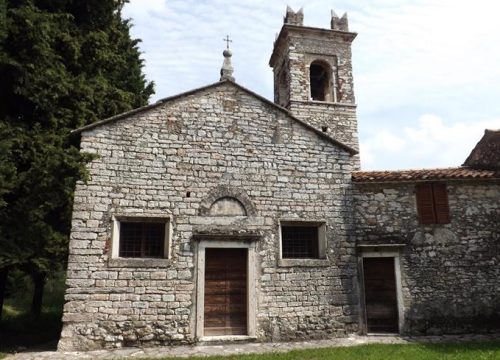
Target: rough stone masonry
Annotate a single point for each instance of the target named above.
(450, 273)
(221, 167)
(224, 140)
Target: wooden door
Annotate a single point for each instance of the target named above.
(381, 302)
(225, 292)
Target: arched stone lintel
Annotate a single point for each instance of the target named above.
(223, 191)
(227, 206)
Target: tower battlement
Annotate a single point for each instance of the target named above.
(340, 24)
(294, 18)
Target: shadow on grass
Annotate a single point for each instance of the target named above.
(21, 331)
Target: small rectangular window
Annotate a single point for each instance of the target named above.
(300, 241)
(142, 239)
(432, 203)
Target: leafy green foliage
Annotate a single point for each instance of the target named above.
(63, 64)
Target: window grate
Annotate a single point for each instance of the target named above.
(142, 240)
(300, 242)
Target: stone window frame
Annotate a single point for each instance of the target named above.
(251, 246)
(322, 259)
(378, 251)
(331, 61)
(116, 261)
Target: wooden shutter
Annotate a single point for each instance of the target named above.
(425, 204)
(441, 207)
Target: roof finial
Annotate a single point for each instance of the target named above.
(226, 72)
(227, 40)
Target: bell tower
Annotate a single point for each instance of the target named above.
(313, 75)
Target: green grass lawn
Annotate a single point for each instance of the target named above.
(21, 331)
(469, 351)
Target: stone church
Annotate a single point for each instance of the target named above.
(218, 215)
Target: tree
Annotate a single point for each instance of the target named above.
(7, 180)
(63, 64)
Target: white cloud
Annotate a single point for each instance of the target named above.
(425, 51)
(411, 57)
(431, 143)
(387, 141)
(406, 52)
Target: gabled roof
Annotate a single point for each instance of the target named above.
(160, 102)
(486, 154)
(459, 173)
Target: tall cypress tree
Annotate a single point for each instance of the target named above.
(63, 64)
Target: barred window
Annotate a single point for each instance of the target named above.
(142, 239)
(301, 241)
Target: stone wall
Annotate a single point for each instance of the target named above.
(450, 273)
(294, 51)
(340, 120)
(218, 138)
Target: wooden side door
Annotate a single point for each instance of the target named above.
(225, 308)
(381, 304)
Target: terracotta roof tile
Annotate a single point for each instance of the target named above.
(424, 174)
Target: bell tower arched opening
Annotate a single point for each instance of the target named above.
(320, 81)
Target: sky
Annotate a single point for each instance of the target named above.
(426, 72)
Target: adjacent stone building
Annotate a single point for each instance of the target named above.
(218, 215)
(440, 228)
